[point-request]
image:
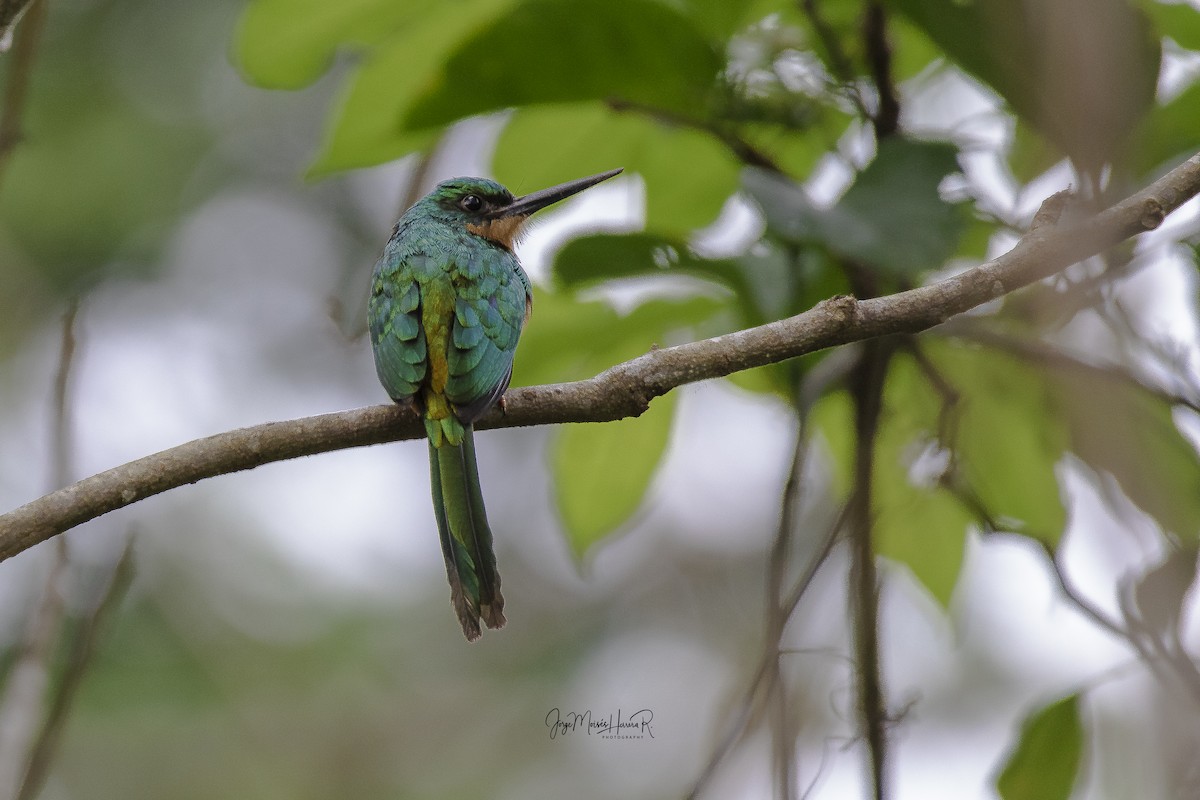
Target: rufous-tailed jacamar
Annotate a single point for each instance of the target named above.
(448, 300)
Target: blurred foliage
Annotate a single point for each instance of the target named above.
(701, 100)
(711, 106)
(95, 179)
(99, 177)
(1045, 764)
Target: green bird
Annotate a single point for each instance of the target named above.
(448, 301)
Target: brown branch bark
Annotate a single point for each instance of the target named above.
(624, 390)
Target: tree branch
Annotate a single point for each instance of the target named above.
(624, 390)
(866, 388)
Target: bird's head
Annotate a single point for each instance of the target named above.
(489, 210)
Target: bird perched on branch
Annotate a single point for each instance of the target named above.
(448, 301)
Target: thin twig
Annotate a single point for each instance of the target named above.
(839, 63)
(886, 118)
(783, 732)
(624, 390)
(79, 658)
(767, 681)
(742, 149)
(830, 372)
(22, 708)
(748, 706)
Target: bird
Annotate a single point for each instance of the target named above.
(447, 304)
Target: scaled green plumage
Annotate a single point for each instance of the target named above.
(448, 301)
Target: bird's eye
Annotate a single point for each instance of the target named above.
(471, 203)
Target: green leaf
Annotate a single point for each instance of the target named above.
(570, 340)
(917, 523)
(1029, 154)
(1048, 65)
(717, 18)
(1123, 430)
(785, 205)
(366, 128)
(1007, 435)
(602, 471)
(918, 527)
(688, 174)
(288, 44)
(891, 217)
(985, 436)
(554, 51)
(95, 179)
(1168, 134)
(1045, 763)
(590, 260)
(1178, 20)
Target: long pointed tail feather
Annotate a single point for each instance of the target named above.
(465, 536)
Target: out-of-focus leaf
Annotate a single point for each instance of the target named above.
(986, 439)
(771, 379)
(786, 206)
(602, 471)
(976, 238)
(917, 523)
(688, 174)
(1121, 429)
(912, 50)
(796, 152)
(761, 285)
(832, 418)
(94, 178)
(549, 51)
(1007, 435)
(590, 260)
(717, 18)
(891, 217)
(288, 44)
(568, 339)
(1030, 154)
(1180, 21)
(920, 527)
(1045, 763)
(1082, 71)
(366, 128)
(1168, 133)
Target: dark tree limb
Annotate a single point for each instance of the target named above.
(866, 388)
(626, 389)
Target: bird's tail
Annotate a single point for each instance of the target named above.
(465, 535)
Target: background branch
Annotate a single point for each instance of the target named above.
(626, 389)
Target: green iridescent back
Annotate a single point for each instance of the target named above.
(437, 283)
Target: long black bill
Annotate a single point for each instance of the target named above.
(535, 201)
